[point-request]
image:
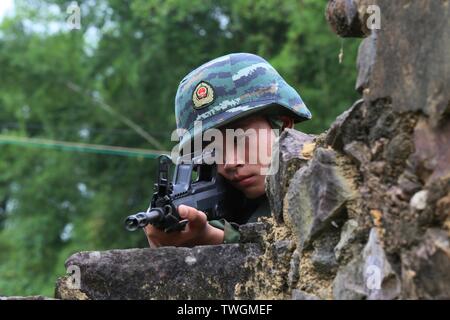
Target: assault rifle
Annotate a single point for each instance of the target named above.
(194, 183)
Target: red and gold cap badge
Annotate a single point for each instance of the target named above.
(203, 95)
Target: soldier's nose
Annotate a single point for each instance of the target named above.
(233, 159)
(231, 167)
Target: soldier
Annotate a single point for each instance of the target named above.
(236, 91)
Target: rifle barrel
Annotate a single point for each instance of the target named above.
(141, 219)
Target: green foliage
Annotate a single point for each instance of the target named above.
(132, 54)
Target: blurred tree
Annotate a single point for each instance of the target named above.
(131, 54)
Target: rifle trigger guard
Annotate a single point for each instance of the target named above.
(178, 227)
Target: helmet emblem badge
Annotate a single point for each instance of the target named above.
(203, 95)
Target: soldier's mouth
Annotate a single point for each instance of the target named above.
(245, 181)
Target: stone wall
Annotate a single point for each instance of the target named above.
(361, 211)
(368, 216)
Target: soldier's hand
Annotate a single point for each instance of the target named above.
(197, 231)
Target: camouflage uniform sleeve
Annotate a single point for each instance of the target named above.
(231, 231)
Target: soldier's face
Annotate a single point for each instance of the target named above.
(244, 164)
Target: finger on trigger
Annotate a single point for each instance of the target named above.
(183, 211)
(196, 217)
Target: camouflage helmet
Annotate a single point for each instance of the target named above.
(232, 87)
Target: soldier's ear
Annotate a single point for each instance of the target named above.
(288, 122)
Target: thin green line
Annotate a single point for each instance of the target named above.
(71, 146)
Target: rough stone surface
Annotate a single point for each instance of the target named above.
(25, 298)
(347, 236)
(379, 277)
(294, 270)
(316, 195)
(349, 282)
(426, 267)
(253, 232)
(323, 258)
(343, 126)
(292, 155)
(358, 152)
(369, 276)
(414, 74)
(344, 18)
(205, 272)
(273, 272)
(431, 157)
(419, 200)
(300, 295)
(365, 62)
